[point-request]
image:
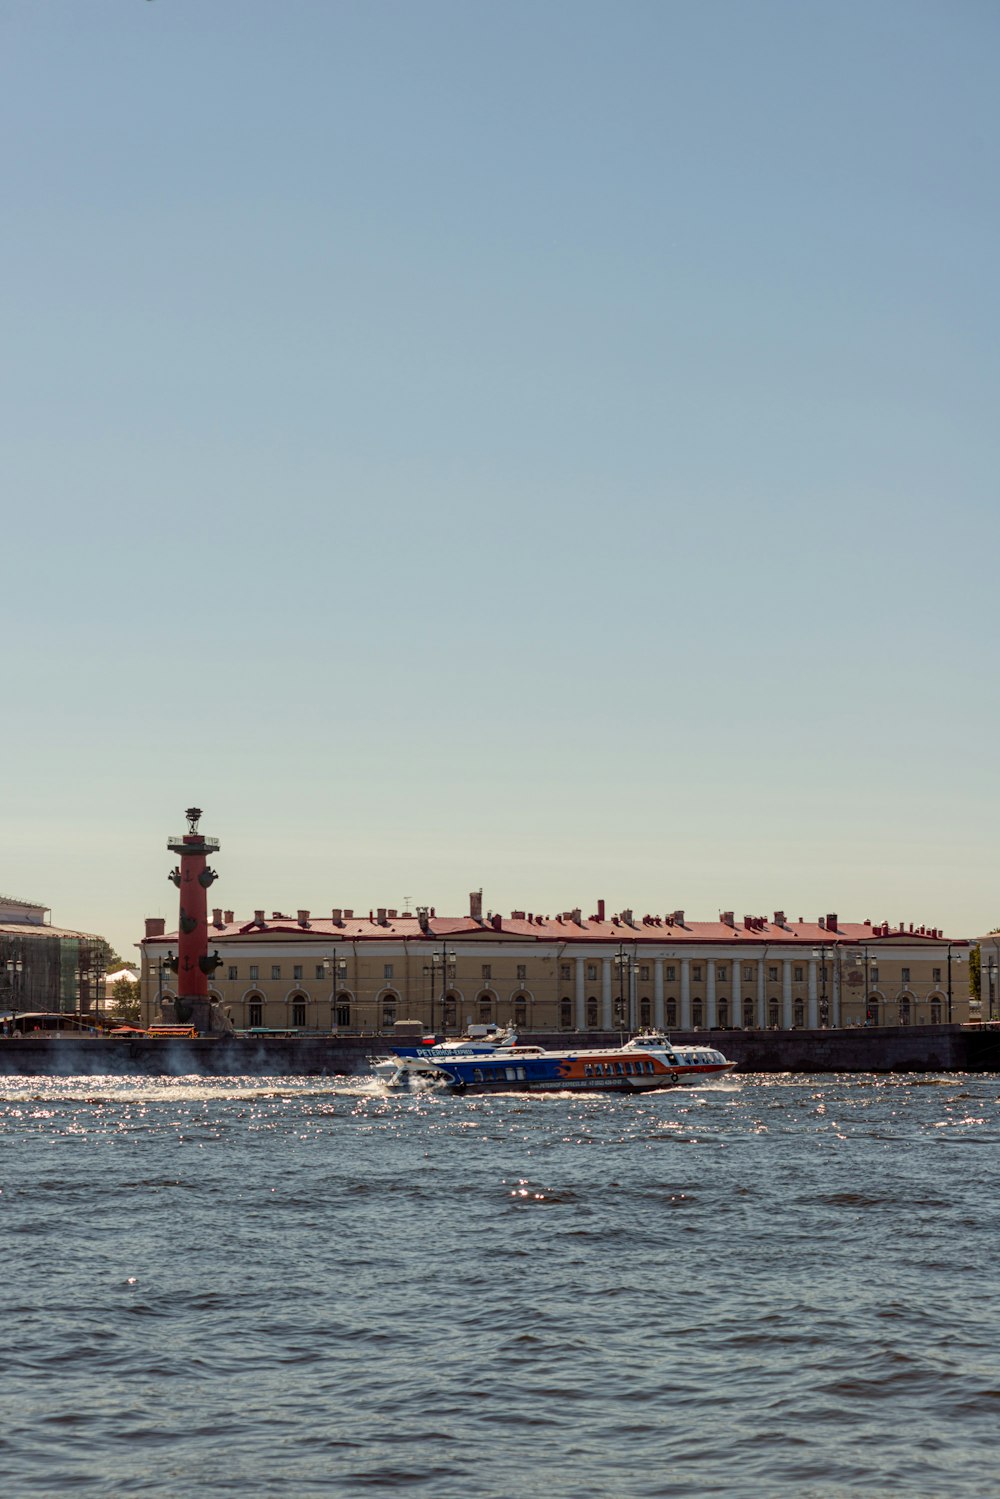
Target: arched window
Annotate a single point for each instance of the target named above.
(724, 1013)
(696, 1014)
(255, 1011)
(645, 1012)
(904, 1009)
(298, 1011)
(449, 1010)
(799, 1014)
(592, 1012)
(342, 1012)
(388, 1010)
(772, 1014)
(935, 1012)
(485, 1008)
(671, 1012)
(748, 1014)
(566, 1014)
(520, 1009)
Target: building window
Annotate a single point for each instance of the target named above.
(255, 1014)
(800, 974)
(487, 972)
(906, 975)
(671, 1012)
(565, 972)
(748, 971)
(276, 970)
(320, 971)
(800, 1014)
(772, 1014)
(874, 975)
(387, 973)
(566, 1014)
(297, 973)
(449, 1012)
(343, 1014)
(592, 1013)
(720, 972)
(936, 975)
(904, 1011)
(772, 974)
(671, 975)
(696, 973)
(232, 971)
(935, 1012)
(724, 1013)
(485, 1008)
(388, 1013)
(520, 1014)
(522, 973)
(644, 973)
(254, 975)
(748, 1014)
(299, 1012)
(696, 1013)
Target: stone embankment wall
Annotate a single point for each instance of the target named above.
(937, 1048)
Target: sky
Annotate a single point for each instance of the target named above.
(548, 447)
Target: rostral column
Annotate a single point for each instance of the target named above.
(192, 964)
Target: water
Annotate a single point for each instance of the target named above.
(283, 1286)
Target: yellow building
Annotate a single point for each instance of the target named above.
(361, 973)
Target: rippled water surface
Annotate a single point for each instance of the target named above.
(287, 1286)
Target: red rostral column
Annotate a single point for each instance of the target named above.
(192, 964)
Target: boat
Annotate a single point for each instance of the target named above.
(472, 1065)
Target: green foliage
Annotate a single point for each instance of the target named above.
(975, 972)
(126, 1006)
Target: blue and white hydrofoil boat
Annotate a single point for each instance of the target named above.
(641, 1065)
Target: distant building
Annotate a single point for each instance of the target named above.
(351, 972)
(45, 967)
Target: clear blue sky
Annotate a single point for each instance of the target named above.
(545, 446)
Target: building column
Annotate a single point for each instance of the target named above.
(736, 997)
(606, 1016)
(581, 994)
(658, 1020)
(762, 1020)
(711, 1017)
(685, 994)
(786, 994)
(813, 1016)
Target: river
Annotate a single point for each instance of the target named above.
(770, 1286)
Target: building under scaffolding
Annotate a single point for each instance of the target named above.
(44, 967)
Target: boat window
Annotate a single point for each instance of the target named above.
(511, 1074)
(477, 1074)
(619, 1069)
(628, 1066)
(521, 1074)
(588, 1071)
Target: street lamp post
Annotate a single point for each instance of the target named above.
(14, 967)
(627, 969)
(443, 963)
(950, 960)
(336, 967)
(824, 1002)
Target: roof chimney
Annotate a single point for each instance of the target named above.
(779, 918)
(822, 923)
(336, 916)
(727, 918)
(258, 918)
(217, 916)
(497, 922)
(229, 917)
(600, 910)
(423, 919)
(476, 904)
(831, 922)
(303, 917)
(348, 913)
(678, 918)
(155, 926)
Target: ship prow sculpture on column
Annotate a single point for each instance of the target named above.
(193, 966)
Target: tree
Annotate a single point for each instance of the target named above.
(975, 972)
(126, 1005)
